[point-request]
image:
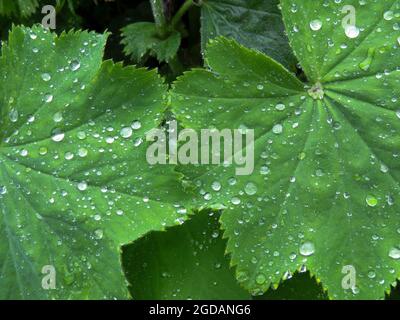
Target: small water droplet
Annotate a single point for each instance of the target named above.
(75, 65)
(82, 186)
(136, 125)
(46, 77)
(371, 201)
(277, 129)
(260, 279)
(250, 189)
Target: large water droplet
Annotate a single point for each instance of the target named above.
(316, 25)
(126, 132)
(307, 249)
(394, 253)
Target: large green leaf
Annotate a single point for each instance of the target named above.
(256, 24)
(75, 183)
(325, 190)
(186, 262)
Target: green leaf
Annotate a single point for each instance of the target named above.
(301, 286)
(256, 24)
(74, 180)
(142, 38)
(18, 7)
(325, 189)
(169, 265)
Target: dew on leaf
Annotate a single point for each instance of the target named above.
(126, 132)
(13, 115)
(57, 135)
(3, 190)
(371, 200)
(307, 249)
(277, 129)
(250, 189)
(352, 31)
(216, 186)
(57, 117)
(260, 279)
(388, 15)
(316, 25)
(75, 65)
(394, 253)
(46, 77)
(82, 186)
(48, 98)
(136, 125)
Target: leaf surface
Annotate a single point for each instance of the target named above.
(186, 262)
(325, 189)
(74, 181)
(141, 38)
(256, 24)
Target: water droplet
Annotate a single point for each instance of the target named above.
(126, 132)
(260, 279)
(82, 152)
(13, 115)
(307, 249)
(388, 15)
(316, 25)
(75, 65)
(42, 151)
(250, 189)
(277, 129)
(23, 152)
(280, 107)
(216, 186)
(69, 156)
(58, 117)
(48, 98)
(371, 201)
(235, 200)
(57, 135)
(394, 253)
(98, 234)
(371, 274)
(136, 125)
(46, 77)
(260, 87)
(3, 190)
(82, 186)
(352, 32)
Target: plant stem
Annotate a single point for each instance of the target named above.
(157, 7)
(182, 10)
(176, 66)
